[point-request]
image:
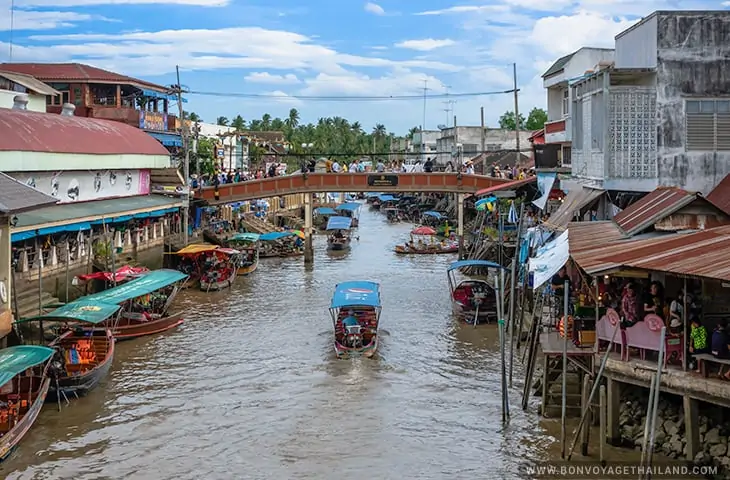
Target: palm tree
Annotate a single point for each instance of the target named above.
(238, 123)
(255, 125)
(222, 121)
(277, 124)
(266, 122)
(192, 116)
(411, 132)
(292, 121)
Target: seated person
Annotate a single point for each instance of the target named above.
(676, 312)
(698, 339)
(350, 320)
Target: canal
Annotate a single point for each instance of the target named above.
(249, 387)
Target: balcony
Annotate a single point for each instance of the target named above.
(154, 121)
(558, 131)
(552, 158)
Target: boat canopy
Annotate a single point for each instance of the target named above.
(433, 214)
(82, 310)
(373, 194)
(384, 197)
(267, 237)
(227, 251)
(196, 248)
(473, 263)
(325, 211)
(154, 280)
(245, 237)
(349, 207)
(339, 223)
(16, 360)
(356, 293)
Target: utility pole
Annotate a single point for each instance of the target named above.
(517, 116)
(12, 30)
(423, 125)
(484, 134)
(186, 159)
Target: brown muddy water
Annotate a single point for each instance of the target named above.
(248, 387)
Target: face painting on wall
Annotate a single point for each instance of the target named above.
(97, 182)
(73, 191)
(54, 186)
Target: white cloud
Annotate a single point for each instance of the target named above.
(584, 29)
(399, 83)
(374, 8)
(465, 9)
(29, 20)
(266, 77)
(426, 45)
(85, 3)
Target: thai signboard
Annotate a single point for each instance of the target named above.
(383, 180)
(153, 121)
(82, 186)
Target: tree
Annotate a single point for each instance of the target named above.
(238, 123)
(292, 121)
(266, 122)
(222, 121)
(192, 116)
(507, 121)
(536, 119)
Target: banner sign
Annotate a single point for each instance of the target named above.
(383, 180)
(153, 121)
(545, 183)
(82, 186)
(549, 259)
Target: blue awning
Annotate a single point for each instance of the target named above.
(74, 227)
(167, 139)
(167, 96)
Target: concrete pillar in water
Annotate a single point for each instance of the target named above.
(308, 229)
(613, 408)
(460, 220)
(691, 426)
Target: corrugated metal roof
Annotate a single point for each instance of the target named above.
(720, 195)
(16, 197)
(68, 72)
(506, 186)
(574, 201)
(559, 65)
(29, 82)
(26, 131)
(655, 206)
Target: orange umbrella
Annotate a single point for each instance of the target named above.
(424, 231)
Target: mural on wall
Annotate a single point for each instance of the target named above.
(82, 186)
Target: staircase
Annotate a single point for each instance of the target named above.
(27, 302)
(257, 225)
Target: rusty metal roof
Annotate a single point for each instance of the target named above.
(574, 201)
(29, 82)
(720, 195)
(17, 197)
(655, 206)
(26, 131)
(506, 186)
(78, 72)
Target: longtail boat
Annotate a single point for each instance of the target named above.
(219, 269)
(248, 245)
(339, 235)
(321, 215)
(24, 384)
(86, 351)
(425, 242)
(472, 300)
(124, 273)
(145, 303)
(352, 210)
(280, 244)
(355, 311)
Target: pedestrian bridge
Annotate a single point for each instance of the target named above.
(349, 182)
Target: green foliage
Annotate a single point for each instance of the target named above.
(507, 121)
(536, 119)
(192, 116)
(238, 123)
(222, 121)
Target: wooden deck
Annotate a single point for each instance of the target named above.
(551, 344)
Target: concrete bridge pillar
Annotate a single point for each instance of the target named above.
(460, 219)
(308, 229)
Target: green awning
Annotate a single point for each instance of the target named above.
(245, 237)
(143, 285)
(77, 212)
(15, 360)
(82, 310)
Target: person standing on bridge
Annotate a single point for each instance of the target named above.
(380, 167)
(428, 166)
(336, 168)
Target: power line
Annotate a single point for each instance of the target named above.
(348, 98)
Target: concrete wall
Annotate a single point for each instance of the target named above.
(470, 139)
(584, 59)
(36, 103)
(693, 61)
(555, 102)
(6, 316)
(637, 46)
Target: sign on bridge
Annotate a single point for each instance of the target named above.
(383, 180)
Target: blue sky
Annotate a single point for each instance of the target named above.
(283, 48)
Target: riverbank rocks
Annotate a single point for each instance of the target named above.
(669, 437)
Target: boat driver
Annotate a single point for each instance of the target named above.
(350, 320)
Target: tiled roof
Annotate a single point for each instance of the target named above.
(69, 72)
(16, 197)
(26, 131)
(29, 82)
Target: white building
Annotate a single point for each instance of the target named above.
(468, 142)
(229, 150)
(556, 153)
(37, 92)
(427, 147)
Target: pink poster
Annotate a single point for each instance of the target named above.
(144, 182)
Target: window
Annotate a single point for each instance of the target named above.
(708, 125)
(566, 102)
(471, 148)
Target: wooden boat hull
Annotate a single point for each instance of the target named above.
(9, 442)
(128, 329)
(367, 351)
(80, 385)
(466, 314)
(216, 286)
(411, 251)
(338, 247)
(249, 269)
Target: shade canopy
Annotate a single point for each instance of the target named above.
(196, 248)
(143, 285)
(349, 207)
(435, 215)
(267, 237)
(473, 263)
(384, 197)
(339, 223)
(16, 360)
(356, 293)
(325, 211)
(423, 231)
(82, 310)
(245, 237)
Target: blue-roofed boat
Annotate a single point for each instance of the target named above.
(85, 347)
(338, 229)
(321, 215)
(248, 244)
(24, 385)
(352, 210)
(370, 197)
(281, 244)
(355, 311)
(383, 198)
(146, 302)
(473, 300)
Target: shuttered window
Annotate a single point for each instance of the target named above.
(708, 125)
